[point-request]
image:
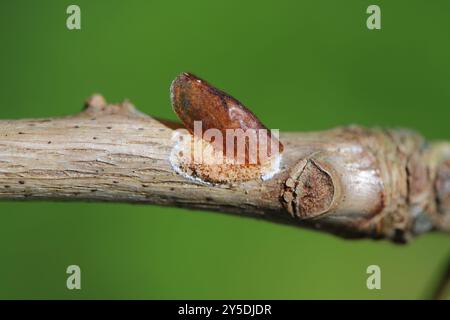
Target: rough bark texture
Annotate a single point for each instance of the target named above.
(351, 181)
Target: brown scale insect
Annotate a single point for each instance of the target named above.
(194, 99)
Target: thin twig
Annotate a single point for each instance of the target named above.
(351, 181)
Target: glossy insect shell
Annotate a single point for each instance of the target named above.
(194, 99)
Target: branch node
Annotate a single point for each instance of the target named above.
(96, 105)
(308, 191)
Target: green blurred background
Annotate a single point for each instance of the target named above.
(300, 65)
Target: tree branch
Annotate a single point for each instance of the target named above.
(351, 181)
(442, 290)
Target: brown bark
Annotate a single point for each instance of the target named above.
(351, 181)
